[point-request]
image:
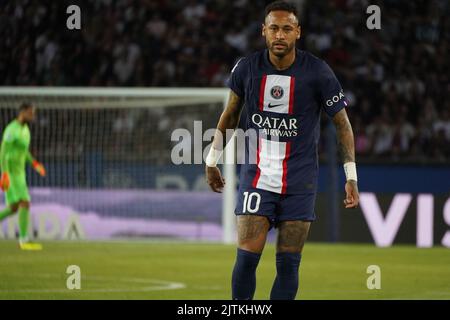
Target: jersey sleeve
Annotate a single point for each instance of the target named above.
(29, 157)
(8, 138)
(10, 134)
(331, 94)
(236, 81)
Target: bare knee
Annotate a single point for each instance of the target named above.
(252, 232)
(252, 246)
(292, 236)
(24, 204)
(14, 207)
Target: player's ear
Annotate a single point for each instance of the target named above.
(299, 32)
(263, 30)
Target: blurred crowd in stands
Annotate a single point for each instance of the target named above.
(396, 78)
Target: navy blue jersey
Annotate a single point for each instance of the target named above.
(284, 107)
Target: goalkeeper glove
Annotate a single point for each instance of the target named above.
(39, 168)
(4, 181)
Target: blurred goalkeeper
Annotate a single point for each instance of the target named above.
(14, 154)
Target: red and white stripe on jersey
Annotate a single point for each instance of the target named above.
(272, 169)
(277, 94)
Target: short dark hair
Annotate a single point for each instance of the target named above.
(281, 6)
(25, 106)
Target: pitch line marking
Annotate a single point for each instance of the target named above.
(157, 285)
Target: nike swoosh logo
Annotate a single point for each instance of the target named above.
(274, 105)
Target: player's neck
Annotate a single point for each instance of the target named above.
(282, 63)
(21, 121)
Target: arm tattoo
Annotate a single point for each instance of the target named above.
(233, 110)
(234, 102)
(228, 120)
(344, 132)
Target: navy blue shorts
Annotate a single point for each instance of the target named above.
(276, 207)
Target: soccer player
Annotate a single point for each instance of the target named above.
(284, 91)
(14, 154)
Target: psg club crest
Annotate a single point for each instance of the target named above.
(277, 92)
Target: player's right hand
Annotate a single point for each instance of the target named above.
(214, 179)
(4, 181)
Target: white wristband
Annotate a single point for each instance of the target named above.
(350, 171)
(213, 157)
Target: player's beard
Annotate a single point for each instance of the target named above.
(28, 121)
(280, 53)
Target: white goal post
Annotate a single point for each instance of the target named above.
(56, 98)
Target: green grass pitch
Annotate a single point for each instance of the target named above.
(176, 270)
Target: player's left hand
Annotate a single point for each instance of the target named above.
(352, 194)
(39, 167)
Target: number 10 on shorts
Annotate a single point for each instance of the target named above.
(249, 200)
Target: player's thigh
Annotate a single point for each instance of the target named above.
(24, 204)
(252, 232)
(294, 220)
(255, 210)
(292, 235)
